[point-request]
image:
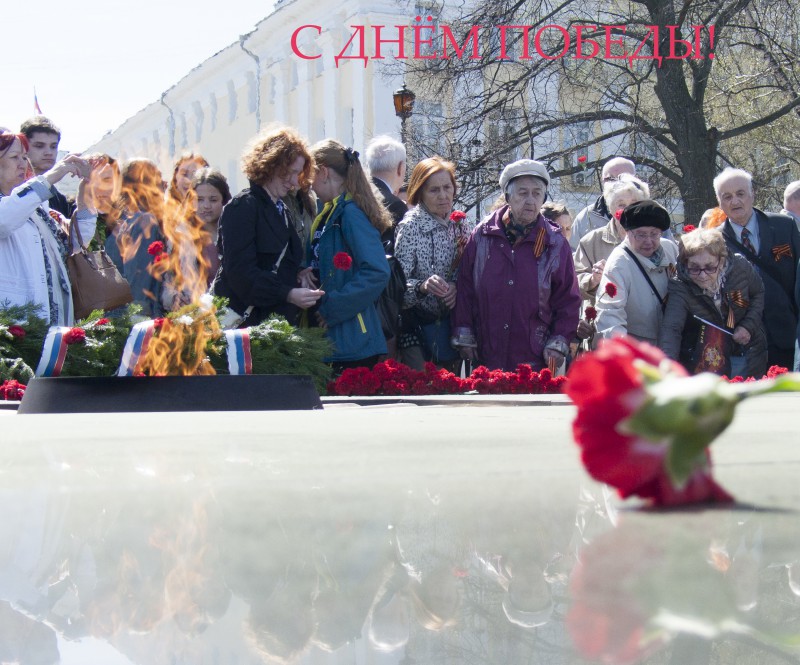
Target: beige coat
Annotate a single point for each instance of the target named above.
(593, 247)
(634, 310)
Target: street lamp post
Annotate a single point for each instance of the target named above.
(403, 108)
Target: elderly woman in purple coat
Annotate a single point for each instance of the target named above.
(518, 299)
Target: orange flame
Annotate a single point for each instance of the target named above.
(186, 269)
(179, 347)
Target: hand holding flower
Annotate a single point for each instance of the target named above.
(597, 273)
(449, 298)
(304, 298)
(585, 329)
(435, 285)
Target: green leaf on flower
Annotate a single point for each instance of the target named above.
(687, 414)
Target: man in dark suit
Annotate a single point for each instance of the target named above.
(771, 242)
(386, 159)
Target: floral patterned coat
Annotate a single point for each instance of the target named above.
(425, 247)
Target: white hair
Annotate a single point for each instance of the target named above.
(728, 173)
(792, 192)
(625, 184)
(618, 161)
(384, 153)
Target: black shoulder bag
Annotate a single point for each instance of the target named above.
(663, 301)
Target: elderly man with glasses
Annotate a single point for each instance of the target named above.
(597, 214)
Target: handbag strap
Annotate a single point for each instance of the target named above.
(73, 224)
(280, 258)
(647, 277)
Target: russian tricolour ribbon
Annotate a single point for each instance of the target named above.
(240, 360)
(136, 347)
(54, 352)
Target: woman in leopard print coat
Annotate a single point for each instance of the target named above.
(429, 243)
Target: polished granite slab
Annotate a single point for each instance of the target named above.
(384, 534)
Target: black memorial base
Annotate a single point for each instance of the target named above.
(262, 392)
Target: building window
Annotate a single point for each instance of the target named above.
(232, 102)
(198, 121)
(577, 146)
(171, 134)
(252, 92)
(212, 109)
(426, 35)
(427, 133)
(184, 133)
(502, 142)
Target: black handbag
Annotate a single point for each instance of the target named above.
(96, 282)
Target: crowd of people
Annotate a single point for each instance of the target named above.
(320, 232)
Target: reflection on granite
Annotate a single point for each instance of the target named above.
(239, 555)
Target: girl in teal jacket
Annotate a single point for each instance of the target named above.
(346, 249)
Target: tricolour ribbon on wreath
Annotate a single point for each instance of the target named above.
(54, 352)
(240, 359)
(136, 347)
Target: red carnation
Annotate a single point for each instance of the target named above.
(17, 331)
(772, 372)
(590, 313)
(161, 257)
(611, 289)
(688, 228)
(618, 214)
(155, 248)
(643, 446)
(342, 261)
(102, 322)
(12, 390)
(581, 159)
(457, 216)
(75, 335)
(158, 323)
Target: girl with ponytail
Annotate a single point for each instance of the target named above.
(347, 255)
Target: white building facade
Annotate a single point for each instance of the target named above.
(228, 98)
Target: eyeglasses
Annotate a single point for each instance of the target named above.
(654, 237)
(696, 270)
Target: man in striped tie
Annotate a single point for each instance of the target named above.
(771, 242)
